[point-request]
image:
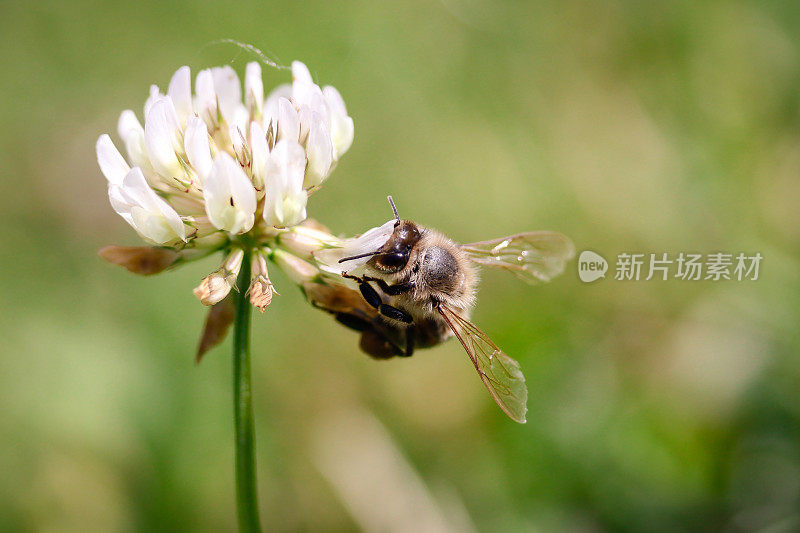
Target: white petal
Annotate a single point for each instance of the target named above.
(119, 203)
(311, 96)
(205, 104)
(306, 92)
(155, 94)
(242, 192)
(112, 164)
(171, 216)
(137, 190)
(334, 100)
(293, 208)
(153, 218)
(306, 118)
(301, 93)
(281, 91)
(270, 112)
(180, 91)
(341, 124)
(288, 122)
(162, 138)
(341, 135)
(238, 142)
(198, 150)
(260, 153)
(228, 89)
(128, 122)
(370, 241)
(253, 88)
(151, 227)
(240, 118)
(229, 195)
(319, 152)
(132, 134)
(300, 73)
(285, 199)
(318, 105)
(287, 161)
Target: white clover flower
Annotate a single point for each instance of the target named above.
(224, 169)
(230, 196)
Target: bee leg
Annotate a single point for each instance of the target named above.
(391, 290)
(352, 321)
(372, 297)
(411, 336)
(395, 314)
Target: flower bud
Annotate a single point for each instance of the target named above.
(298, 270)
(213, 288)
(217, 285)
(261, 288)
(304, 241)
(233, 262)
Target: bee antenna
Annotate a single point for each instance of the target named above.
(359, 256)
(391, 203)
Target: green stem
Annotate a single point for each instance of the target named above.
(246, 492)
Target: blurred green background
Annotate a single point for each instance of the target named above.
(629, 126)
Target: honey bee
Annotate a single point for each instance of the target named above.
(416, 289)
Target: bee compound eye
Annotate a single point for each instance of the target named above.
(393, 260)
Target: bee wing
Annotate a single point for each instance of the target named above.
(500, 373)
(536, 256)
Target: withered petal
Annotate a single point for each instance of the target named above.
(142, 260)
(218, 322)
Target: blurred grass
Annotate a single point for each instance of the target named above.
(659, 127)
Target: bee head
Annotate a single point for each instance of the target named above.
(393, 256)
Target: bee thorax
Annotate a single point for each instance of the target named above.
(440, 270)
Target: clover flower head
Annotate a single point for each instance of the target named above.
(222, 168)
